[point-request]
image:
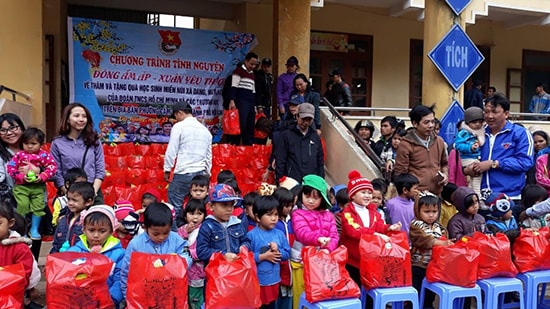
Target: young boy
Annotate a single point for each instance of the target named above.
(157, 239)
(379, 190)
(80, 196)
(500, 220)
(467, 220)
(342, 199)
(401, 207)
(198, 191)
(248, 202)
(75, 174)
(216, 228)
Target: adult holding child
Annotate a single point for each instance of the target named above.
(78, 145)
(304, 93)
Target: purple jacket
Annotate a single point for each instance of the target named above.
(285, 85)
(309, 225)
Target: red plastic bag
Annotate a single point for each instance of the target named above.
(495, 258)
(530, 250)
(78, 280)
(232, 283)
(385, 265)
(455, 264)
(157, 281)
(325, 275)
(257, 133)
(12, 286)
(230, 122)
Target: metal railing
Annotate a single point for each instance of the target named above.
(14, 93)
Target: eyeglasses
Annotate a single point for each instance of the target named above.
(12, 129)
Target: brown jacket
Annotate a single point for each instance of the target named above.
(424, 163)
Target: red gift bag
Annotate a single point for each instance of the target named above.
(530, 250)
(230, 122)
(455, 264)
(325, 275)
(495, 258)
(385, 265)
(157, 281)
(78, 280)
(232, 283)
(12, 286)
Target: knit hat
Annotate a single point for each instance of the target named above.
(472, 114)
(122, 209)
(357, 183)
(155, 193)
(320, 184)
(222, 193)
(266, 189)
(287, 182)
(106, 210)
(499, 204)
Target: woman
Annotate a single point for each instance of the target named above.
(540, 142)
(285, 85)
(11, 129)
(302, 88)
(78, 145)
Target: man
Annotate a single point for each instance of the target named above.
(474, 96)
(388, 125)
(422, 153)
(243, 97)
(191, 144)
(340, 94)
(540, 103)
(264, 83)
(299, 152)
(508, 155)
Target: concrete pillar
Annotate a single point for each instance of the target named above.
(438, 19)
(21, 50)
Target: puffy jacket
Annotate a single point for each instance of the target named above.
(114, 251)
(513, 148)
(463, 223)
(542, 174)
(16, 249)
(214, 237)
(65, 232)
(309, 225)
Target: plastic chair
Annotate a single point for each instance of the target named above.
(396, 296)
(348, 303)
(448, 293)
(531, 281)
(494, 289)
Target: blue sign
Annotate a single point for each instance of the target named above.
(456, 57)
(458, 5)
(452, 116)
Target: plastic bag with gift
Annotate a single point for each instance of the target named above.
(531, 250)
(495, 258)
(455, 264)
(12, 286)
(230, 122)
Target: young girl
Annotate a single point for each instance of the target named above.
(313, 225)
(270, 247)
(425, 232)
(99, 224)
(194, 213)
(467, 220)
(286, 203)
(29, 188)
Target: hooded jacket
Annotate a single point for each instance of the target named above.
(422, 237)
(466, 138)
(15, 249)
(463, 223)
(424, 163)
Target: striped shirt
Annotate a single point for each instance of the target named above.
(243, 79)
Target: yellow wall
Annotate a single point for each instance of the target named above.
(21, 56)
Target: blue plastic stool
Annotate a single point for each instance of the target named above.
(448, 293)
(348, 303)
(531, 281)
(494, 289)
(396, 296)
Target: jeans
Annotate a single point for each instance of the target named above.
(177, 191)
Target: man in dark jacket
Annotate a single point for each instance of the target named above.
(340, 94)
(474, 96)
(264, 83)
(299, 151)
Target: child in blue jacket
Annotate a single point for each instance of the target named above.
(99, 224)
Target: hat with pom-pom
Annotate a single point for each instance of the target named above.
(499, 204)
(122, 209)
(357, 183)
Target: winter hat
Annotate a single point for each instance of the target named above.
(222, 193)
(155, 193)
(472, 114)
(499, 204)
(292, 60)
(287, 182)
(317, 182)
(266, 189)
(122, 209)
(357, 183)
(106, 210)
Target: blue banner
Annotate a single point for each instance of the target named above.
(130, 75)
(453, 115)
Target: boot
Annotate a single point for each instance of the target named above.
(35, 224)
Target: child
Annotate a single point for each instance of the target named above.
(29, 190)
(157, 239)
(194, 212)
(342, 200)
(379, 190)
(448, 210)
(270, 247)
(425, 232)
(149, 196)
(468, 142)
(198, 191)
(500, 219)
(216, 228)
(80, 196)
(99, 224)
(122, 211)
(75, 174)
(390, 151)
(286, 202)
(401, 207)
(536, 207)
(248, 202)
(313, 225)
(467, 220)
(332, 198)
(360, 217)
